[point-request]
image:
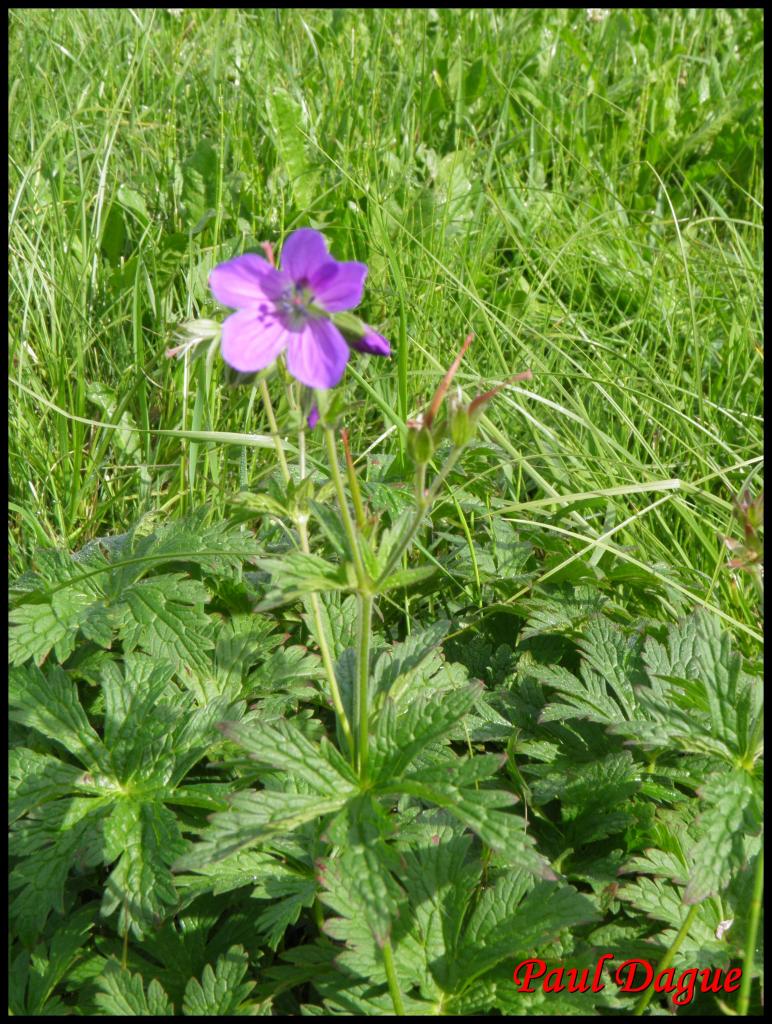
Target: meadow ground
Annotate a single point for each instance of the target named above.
(581, 189)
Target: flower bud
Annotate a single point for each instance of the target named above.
(360, 336)
(461, 426)
(420, 444)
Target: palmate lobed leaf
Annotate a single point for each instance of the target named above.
(477, 809)
(33, 977)
(146, 839)
(255, 818)
(49, 703)
(113, 812)
(502, 926)
(221, 991)
(50, 842)
(123, 995)
(699, 700)
(732, 810)
(400, 737)
(358, 883)
(295, 573)
(113, 586)
(289, 895)
(603, 692)
(284, 746)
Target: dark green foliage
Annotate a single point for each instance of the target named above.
(632, 759)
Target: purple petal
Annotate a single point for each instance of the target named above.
(246, 281)
(317, 355)
(373, 344)
(338, 286)
(313, 417)
(303, 253)
(252, 340)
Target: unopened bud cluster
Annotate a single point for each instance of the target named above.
(461, 420)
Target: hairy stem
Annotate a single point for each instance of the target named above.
(750, 941)
(274, 431)
(348, 522)
(391, 975)
(353, 483)
(316, 609)
(361, 696)
(423, 502)
(666, 960)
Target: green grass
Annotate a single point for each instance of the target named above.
(585, 196)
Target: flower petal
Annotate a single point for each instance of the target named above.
(303, 253)
(246, 281)
(317, 355)
(313, 417)
(372, 343)
(338, 286)
(251, 340)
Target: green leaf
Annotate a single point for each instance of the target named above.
(399, 738)
(502, 927)
(34, 977)
(321, 766)
(146, 838)
(358, 883)
(613, 657)
(561, 610)
(221, 991)
(49, 703)
(340, 611)
(477, 809)
(168, 621)
(699, 699)
(256, 818)
(728, 816)
(408, 665)
(289, 894)
(125, 436)
(404, 578)
(295, 574)
(51, 841)
(199, 184)
(36, 779)
(123, 995)
(100, 592)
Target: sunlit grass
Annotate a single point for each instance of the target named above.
(585, 196)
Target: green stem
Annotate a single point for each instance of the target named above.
(316, 610)
(353, 485)
(274, 431)
(667, 959)
(361, 696)
(753, 748)
(348, 522)
(424, 503)
(391, 975)
(750, 941)
(319, 918)
(324, 650)
(420, 482)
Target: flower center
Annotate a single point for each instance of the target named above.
(295, 304)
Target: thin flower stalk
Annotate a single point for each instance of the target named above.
(361, 691)
(316, 611)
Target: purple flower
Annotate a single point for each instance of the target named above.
(288, 310)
